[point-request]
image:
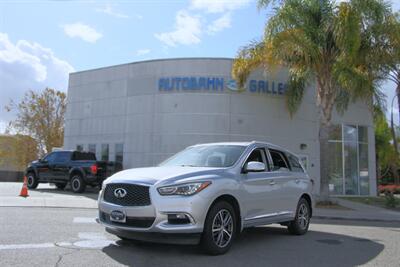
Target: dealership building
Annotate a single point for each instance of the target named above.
(143, 112)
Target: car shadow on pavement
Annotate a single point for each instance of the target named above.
(90, 192)
(261, 246)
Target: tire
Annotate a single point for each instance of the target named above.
(299, 226)
(218, 242)
(78, 185)
(32, 180)
(61, 186)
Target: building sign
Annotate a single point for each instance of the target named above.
(219, 84)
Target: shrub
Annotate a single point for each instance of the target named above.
(390, 200)
(389, 188)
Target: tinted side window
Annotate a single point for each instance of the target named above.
(278, 159)
(83, 156)
(294, 163)
(62, 156)
(50, 157)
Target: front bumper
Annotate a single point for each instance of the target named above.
(151, 223)
(181, 239)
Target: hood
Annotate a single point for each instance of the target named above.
(153, 175)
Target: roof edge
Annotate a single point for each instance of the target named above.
(154, 60)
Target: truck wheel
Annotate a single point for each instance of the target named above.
(299, 226)
(219, 229)
(33, 181)
(61, 186)
(78, 185)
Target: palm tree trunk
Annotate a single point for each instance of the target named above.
(324, 159)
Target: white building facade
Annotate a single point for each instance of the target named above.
(141, 113)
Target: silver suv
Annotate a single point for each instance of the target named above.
(208, 194)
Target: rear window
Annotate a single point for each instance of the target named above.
(294, 163)
(83, 156)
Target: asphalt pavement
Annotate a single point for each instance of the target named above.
(37, 236)
(59, 233)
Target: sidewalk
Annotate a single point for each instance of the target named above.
(46, 196)
(358, 211)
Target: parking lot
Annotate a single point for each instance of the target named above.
(69, 236)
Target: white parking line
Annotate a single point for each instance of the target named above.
(27, 246)
(84, 220)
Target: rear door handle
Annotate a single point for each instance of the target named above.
(297, 181)
(272, 182)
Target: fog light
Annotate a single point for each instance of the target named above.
(178, 218)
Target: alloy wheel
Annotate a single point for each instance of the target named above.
(31, 180)
(76, 183)
(222, 228)
(303, 216)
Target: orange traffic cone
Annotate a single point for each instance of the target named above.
(24, 189)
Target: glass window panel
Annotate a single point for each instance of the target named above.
(335, 168)
(92, 148)
(335, 132)
(363, 165)
(104, 152)
(119, 153)
(62, 156)
(79, 147)
(351, 168)
(350, 133)
(363, 134)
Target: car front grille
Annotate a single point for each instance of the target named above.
(136, 195)
(137, 222)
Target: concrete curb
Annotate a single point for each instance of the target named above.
(354, 219)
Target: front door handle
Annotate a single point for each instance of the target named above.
(272, 182)
(297, 181)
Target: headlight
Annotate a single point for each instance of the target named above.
(183, 189)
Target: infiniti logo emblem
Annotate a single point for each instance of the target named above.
(120, 193)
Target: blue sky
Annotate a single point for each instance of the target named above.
(42, 41)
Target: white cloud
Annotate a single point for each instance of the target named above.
(218, 6)
(219, 24)
(142, 52)
(27, 66)
(83, 31)
(187, 30)
(110, 11)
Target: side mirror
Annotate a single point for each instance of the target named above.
(42, 161)
(254, 166)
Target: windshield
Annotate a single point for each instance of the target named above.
(206, 156)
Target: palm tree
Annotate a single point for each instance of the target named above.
(334, 45)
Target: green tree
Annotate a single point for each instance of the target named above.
(387, 159)
(41, 116)
(16, 151)
(391, 68)
(334, 45)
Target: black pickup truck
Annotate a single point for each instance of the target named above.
(63, 167)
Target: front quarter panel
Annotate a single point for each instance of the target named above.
(197, 205)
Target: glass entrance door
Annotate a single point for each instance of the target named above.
(348, 166)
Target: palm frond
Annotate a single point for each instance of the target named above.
(249, 58)
(295, 89)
